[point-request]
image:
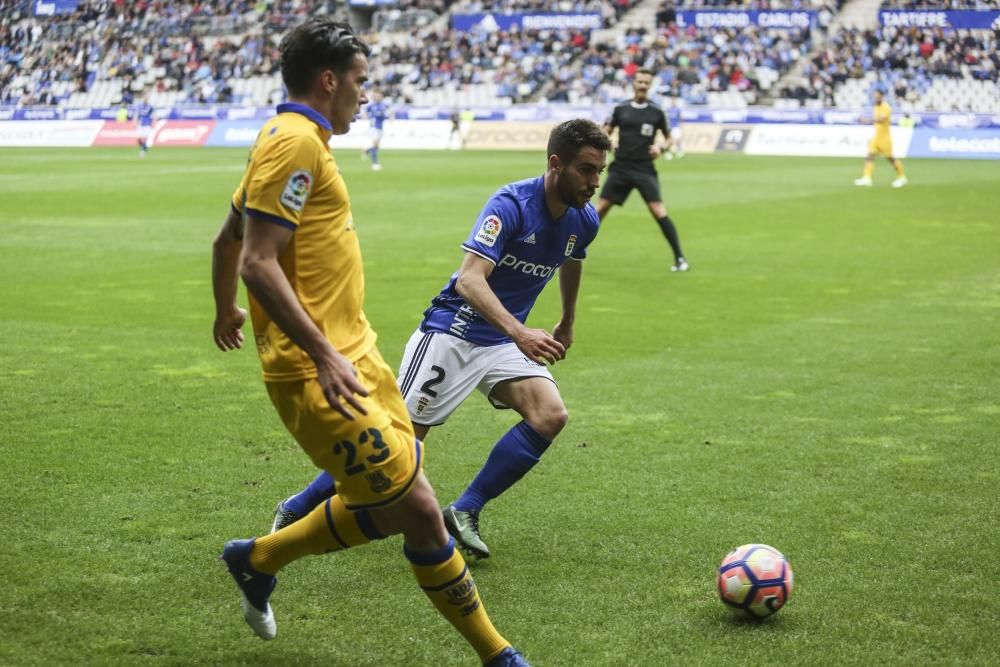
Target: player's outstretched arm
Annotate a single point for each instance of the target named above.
(229, 317)
(262, 273)
(570, 275)
(471, 285)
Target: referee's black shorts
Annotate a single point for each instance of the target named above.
(622, 179)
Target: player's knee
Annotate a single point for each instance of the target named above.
(560, 418)
(551, 421)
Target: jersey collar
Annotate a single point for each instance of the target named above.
(308, 112)
(638, 105)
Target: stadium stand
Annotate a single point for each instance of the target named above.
(225, 52)
(486, 68)
(921, 68)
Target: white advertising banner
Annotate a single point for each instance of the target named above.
(418, 134)
(820, 140)
(68, 133)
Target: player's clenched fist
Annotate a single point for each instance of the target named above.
(539, 346)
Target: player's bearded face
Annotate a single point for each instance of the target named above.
(579, 179)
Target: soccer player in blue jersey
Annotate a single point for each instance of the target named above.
(675, 142)
(378, 112)
(473, 335)
(144, 116)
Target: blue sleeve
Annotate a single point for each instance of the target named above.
(496, 225)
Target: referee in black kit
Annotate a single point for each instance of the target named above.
(638, 123)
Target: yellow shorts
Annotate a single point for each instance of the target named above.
(374, 460)
(880, 146)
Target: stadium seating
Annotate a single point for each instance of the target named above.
(225, 51)
(923, 69)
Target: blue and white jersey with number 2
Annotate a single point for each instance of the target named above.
(515, 232)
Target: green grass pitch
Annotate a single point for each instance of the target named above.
(826, 380)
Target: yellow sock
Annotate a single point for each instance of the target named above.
(329, 527)
(899, 168)
(869, 169)
(446, 580)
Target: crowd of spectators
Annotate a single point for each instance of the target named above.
(690, 63)
(194, 47)
(517, 63)
(905, 60)
(198, 48)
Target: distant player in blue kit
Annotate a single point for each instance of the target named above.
(144, 116)
(378, 112)
(675, 142)
(473, 335)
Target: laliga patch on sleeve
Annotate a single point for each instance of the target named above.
(297, 190)
(489, 230)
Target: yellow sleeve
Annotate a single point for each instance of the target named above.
(280, 178)
(882, 113)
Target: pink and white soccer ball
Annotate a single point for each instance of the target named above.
(755, 578)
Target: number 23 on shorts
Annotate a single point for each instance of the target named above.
(371, 437)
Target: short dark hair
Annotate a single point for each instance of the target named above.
(567, 138)
(316, 45)
(644, 70)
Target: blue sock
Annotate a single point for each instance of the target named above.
(512, 457)
(374, 154)
(309, 498)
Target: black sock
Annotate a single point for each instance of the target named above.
(670, 232)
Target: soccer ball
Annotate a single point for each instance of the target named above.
(755, 578)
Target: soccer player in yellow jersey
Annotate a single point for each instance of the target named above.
(290, 235)
(881, 144)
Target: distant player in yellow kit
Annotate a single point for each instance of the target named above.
(881, 144)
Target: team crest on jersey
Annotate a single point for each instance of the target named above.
(646, 130)
(570, 244)
(378, 482)
(297, 190)
(489, 230)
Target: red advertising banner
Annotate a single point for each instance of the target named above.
(181, 132)
(116, 134)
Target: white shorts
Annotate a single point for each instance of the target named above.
(676, 132)
(374, 135)
(143, 131)
(439, 371)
